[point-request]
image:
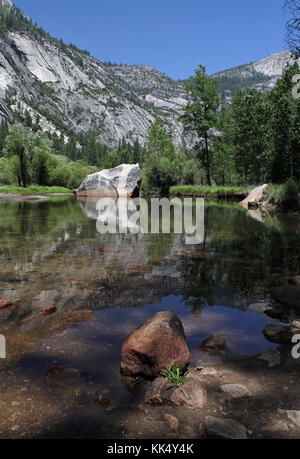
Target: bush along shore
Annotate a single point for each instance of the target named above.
(221, 192)
(284, 197)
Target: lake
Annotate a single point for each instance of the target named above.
(52, 255)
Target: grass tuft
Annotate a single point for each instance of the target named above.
(173, 375)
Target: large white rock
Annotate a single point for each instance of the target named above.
(124, 180)
(256, 197)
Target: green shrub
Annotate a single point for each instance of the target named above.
(288, 196)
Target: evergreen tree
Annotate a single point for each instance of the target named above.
(162, 166)
(285, 128)
(201, 114)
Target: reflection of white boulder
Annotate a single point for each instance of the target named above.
(124, 180)
(114, 215)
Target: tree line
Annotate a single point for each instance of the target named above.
(255, 140)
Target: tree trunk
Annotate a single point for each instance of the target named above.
(208, 178)
(23, 171)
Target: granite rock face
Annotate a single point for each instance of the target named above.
(124, 180)
(86, 94)
(154, 345)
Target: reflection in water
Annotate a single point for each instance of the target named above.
(52, 254)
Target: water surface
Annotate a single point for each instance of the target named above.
(51, 254)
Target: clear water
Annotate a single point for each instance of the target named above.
(51, 254)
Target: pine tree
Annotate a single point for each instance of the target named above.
(201, 114)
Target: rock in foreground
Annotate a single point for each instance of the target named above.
(154, 345)
(225, 429)
(191, 394)
(124, 180)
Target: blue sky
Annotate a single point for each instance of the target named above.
(172, 35)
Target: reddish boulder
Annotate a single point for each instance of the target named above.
(5, 304)
(154, 345)
(46, 312)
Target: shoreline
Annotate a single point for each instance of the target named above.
(25, 197)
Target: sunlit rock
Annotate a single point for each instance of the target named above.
(124, 180)
(255, 197)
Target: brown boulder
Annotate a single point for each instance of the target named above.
(191, 394)
(154, 345)
(153, 395)
(5, 304)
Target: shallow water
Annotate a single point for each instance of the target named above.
(51, 254)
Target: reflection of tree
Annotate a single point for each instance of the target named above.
(28, 227)
(240, 256)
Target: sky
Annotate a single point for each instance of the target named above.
(173, 36)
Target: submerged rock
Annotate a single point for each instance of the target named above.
(124, 180)
(272, 357)
(225, 428)
(214, 344)
(278, 334)
(46, 312)
(73, 318)
(61, 376)
(154, 345)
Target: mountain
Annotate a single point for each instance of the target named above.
(65, 89)
(262, 75)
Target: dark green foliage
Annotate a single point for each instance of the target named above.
(162, 167)
(289, 197)
(200, 114)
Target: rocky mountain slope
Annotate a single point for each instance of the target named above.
(262, 75)
(64, 88)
